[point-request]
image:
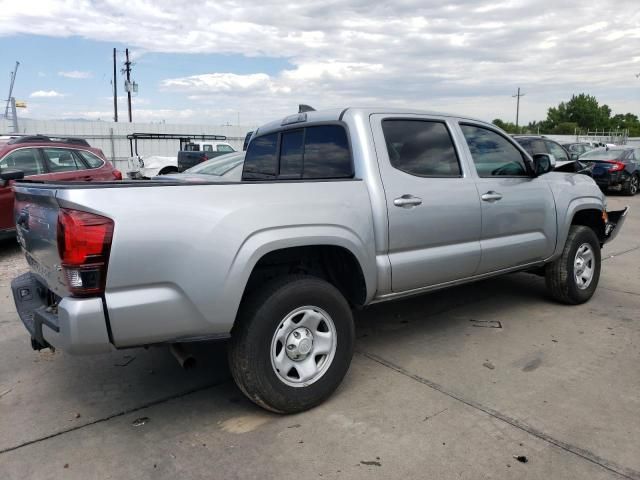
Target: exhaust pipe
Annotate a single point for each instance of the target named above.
(184, 358)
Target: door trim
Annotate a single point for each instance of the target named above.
(417, 291)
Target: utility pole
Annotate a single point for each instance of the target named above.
(115, 89)
(13, 80)
(518, 95)
(127, 69)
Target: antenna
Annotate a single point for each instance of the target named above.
(13, 80)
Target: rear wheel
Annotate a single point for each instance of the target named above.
(633, 185)
(573, 277)
(292, 343)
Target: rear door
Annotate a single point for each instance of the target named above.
(64, 165)
(518, 211)
(432, 202)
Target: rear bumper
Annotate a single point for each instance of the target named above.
(612, 181)
(616, 219)
(77, 326)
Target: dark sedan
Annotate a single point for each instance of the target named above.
(615, 168)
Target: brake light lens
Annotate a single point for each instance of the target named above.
(117, 174)
(616, 167)
(84, 243)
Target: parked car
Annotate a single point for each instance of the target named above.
(47, 158)
(615, 168)
(199, 152)
(563, 160)
(330, 203)
(534, 144)
(577, 149)
(227, 167)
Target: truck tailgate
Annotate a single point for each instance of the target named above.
(36, 215)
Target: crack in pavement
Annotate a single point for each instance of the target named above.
(611, 466)
(620, 291)
(618, 254)
(112, 416)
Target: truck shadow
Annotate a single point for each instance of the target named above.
(128, 381)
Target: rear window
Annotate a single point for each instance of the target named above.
(421, 147)
(262, 158)
(92, 160)
(602, 154)
(315, 152)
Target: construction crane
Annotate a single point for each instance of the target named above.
(11, 102)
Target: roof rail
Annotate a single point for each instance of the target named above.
(44, 138)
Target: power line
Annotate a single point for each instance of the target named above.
(518, 95)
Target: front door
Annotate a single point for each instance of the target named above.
(432, 202)
(518, 210)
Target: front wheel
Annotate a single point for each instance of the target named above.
(573, 277)
(292, 343)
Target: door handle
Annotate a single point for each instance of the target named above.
(407, 201)
(491, 196)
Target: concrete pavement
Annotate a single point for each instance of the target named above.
(455, 384)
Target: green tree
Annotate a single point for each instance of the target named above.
(508, 127)
(582, 110)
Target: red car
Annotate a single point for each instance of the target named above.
(45, 158)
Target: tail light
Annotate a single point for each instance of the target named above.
(117, 174)
(84, 242)
(616, 167)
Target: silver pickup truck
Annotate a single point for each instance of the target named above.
(334, 210)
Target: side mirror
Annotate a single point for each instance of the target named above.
(543, 163)
(9, 174)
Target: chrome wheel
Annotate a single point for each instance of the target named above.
(303, 346)
(583, 266)
(633, 188)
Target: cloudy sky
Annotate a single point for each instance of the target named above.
(220, 61)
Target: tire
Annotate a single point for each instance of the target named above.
(632, 187)
(268, 320)
(563, 278)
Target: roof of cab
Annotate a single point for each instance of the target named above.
(336, 114)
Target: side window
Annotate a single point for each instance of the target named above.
(25, 159)
(224, 148)
(207, 148)
(537, 146)
(291, 150)
(61, 160)
(422, 148)
(557, 151)
(261, 161)
(92, 160)
(493, 155)
(326, 153)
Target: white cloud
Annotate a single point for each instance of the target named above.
(46, 94)
(416, 53)
(76, 74)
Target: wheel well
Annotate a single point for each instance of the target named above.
(336, 265)
(591, 218)
(166, 170)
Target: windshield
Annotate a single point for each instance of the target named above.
(218, 166)
(603, 154)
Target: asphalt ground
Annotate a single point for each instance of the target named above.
(488, 380)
